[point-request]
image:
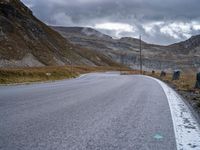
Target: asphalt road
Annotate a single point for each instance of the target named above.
(94, 112)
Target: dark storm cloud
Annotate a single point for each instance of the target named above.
(157, 20)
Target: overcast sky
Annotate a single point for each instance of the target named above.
(158, 21)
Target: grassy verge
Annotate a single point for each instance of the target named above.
(186, 82)
(185, 87)
(37, 74)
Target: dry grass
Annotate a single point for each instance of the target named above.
(37, 74)
(19, 75)
(186, 82)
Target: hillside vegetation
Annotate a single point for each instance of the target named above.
(25, 41)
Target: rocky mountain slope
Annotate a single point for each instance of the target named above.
(184, 55)
(26, 41)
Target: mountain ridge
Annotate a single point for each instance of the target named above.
(158, 57)
(25, 41)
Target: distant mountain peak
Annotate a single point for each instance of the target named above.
(131, 39)
(189, 44)
(193, 42)
(126, 50)
(92, 32)
(84, 31)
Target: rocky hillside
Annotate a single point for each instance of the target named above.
(184, 55)
(26, 41)
(188, 45)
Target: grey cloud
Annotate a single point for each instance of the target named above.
(133, 12)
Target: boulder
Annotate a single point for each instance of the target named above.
(163, 74)
(176, 75)
(198, 81)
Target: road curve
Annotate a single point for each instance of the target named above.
(98, 111)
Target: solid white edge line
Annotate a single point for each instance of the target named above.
(186, 127)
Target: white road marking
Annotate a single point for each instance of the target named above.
(186, 128)
(81, 76)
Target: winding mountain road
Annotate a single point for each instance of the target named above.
(98, 111)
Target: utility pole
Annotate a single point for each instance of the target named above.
(122, 62)
(140, 55)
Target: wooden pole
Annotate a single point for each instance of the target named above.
(140, 55)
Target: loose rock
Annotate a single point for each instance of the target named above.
(176, 75)
(198, 81)
(163, 74)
